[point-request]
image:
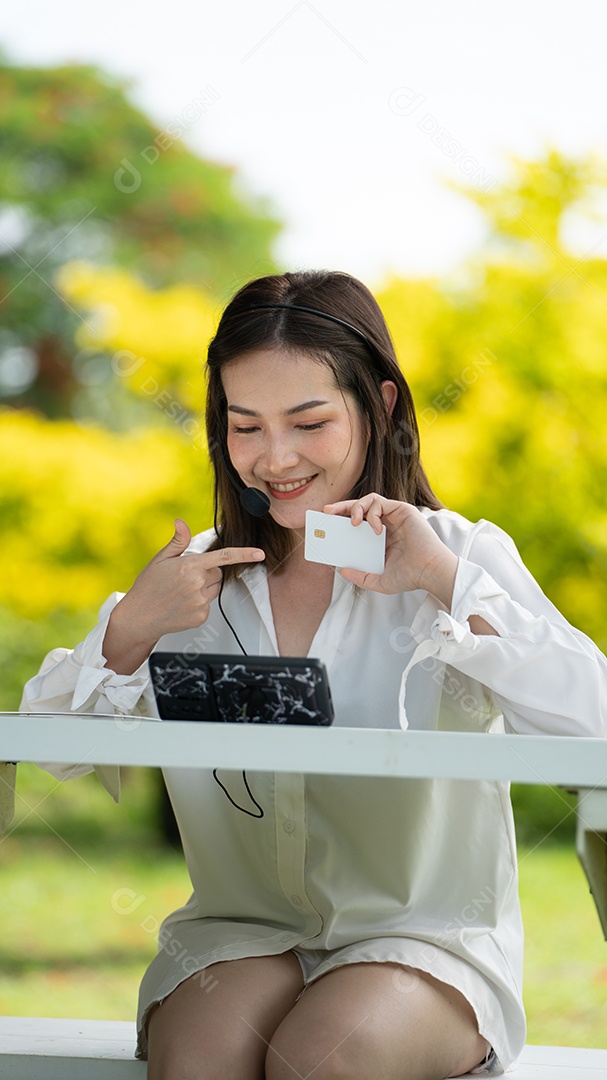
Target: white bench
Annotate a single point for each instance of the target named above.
(43, 1049)
(103, 1050)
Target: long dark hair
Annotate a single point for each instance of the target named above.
(392, 467)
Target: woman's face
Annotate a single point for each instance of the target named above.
(292, 432)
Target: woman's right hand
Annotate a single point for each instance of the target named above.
(170, 594)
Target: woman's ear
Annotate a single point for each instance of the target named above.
(390, 392)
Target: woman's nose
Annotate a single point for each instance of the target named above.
(279, 454)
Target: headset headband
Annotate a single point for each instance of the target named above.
(321, 315)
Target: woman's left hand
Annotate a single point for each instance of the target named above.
(415, 556)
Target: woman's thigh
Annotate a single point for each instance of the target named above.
(202, 1034)
(361, 1021)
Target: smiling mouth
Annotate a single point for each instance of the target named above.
(292, 485)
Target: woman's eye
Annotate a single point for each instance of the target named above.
(300, 427)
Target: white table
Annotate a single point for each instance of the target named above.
(575, 763)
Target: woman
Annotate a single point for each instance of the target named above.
(339, 927)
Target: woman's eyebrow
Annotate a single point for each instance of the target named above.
(289, 412)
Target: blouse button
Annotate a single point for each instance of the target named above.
(295, 899)
(288, 826)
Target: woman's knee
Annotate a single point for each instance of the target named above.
(222, 1034)
(363, 1022)
(357, 1059)
(324, 1054)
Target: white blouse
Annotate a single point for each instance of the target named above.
(344, 869)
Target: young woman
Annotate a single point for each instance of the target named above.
(338, 926)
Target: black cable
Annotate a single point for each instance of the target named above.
(244, 651)
(219, 604)
(249, 812)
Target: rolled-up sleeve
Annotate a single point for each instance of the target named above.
(545, 676)
(77, 680)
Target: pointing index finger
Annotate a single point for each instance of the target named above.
(237, 555)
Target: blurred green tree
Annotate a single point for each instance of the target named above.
(86, 175)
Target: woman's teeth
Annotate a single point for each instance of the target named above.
(292, 486)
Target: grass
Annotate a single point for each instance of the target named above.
(84, 886)
(77, 940)
(565, 984)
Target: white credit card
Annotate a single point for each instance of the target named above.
(337, 542)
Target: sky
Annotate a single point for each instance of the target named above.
(349, 118)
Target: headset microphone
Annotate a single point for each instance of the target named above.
(254, 501)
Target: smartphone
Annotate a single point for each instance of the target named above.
(241, 689)
(336, 541)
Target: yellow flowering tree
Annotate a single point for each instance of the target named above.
(508, 366)
(81, 511)
(153, 340)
